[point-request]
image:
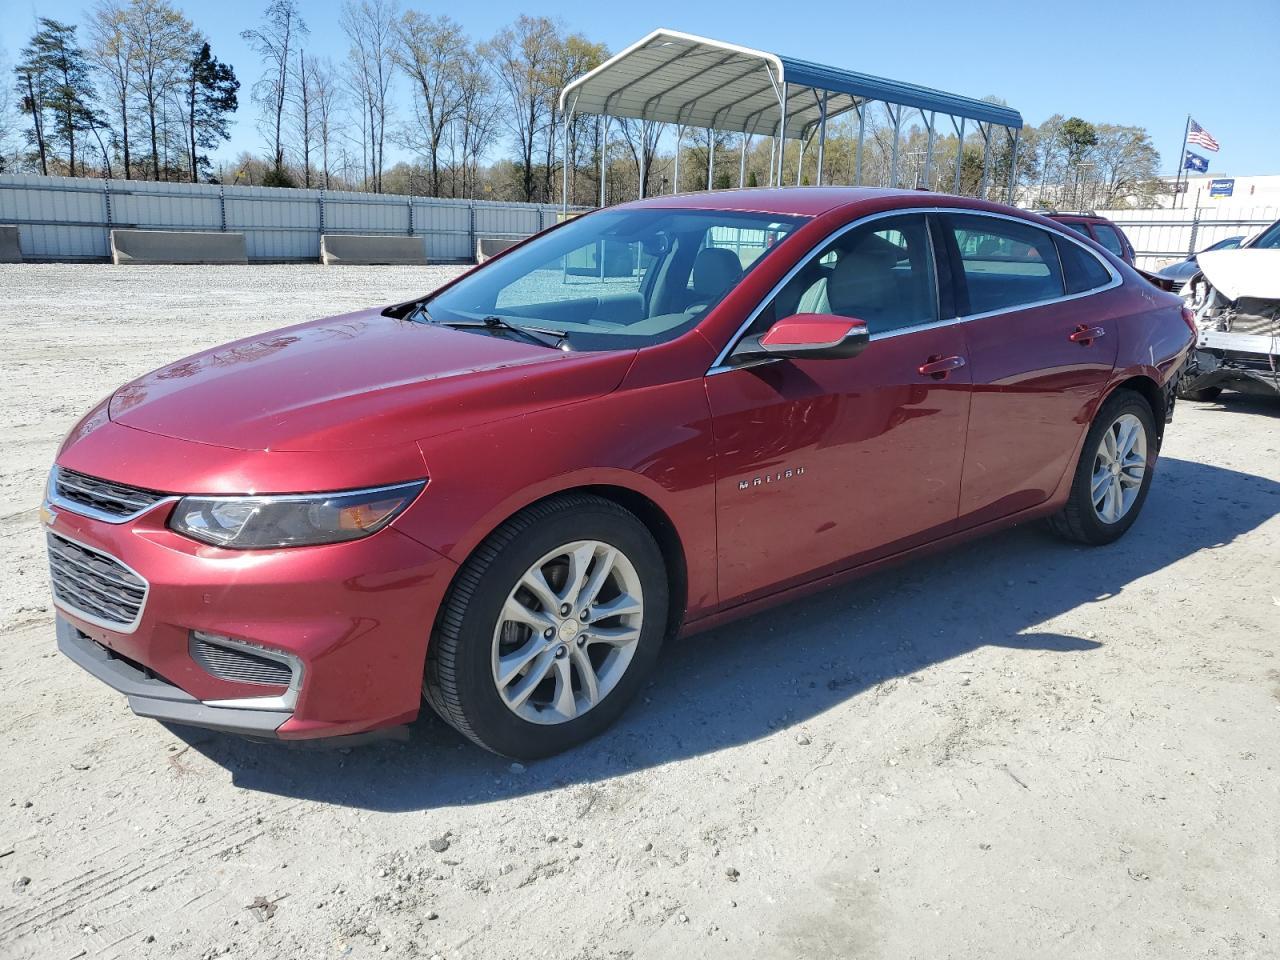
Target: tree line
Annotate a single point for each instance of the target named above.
(138, 93)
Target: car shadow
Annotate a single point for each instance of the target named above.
(1263, 404)
(778, 669)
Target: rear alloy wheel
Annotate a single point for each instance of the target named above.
(1114, 472)
(549, 628)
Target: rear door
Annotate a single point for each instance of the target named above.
(1039, 356)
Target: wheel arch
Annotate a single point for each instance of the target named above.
(1149, 390)
(655, 519)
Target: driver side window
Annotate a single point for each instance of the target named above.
(881, 273)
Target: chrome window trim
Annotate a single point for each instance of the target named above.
(718, 365)
(55, 499)
(113, 626)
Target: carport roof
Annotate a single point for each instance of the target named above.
(673, 77)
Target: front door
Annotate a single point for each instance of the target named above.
(824, 464)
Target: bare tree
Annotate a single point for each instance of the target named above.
(571, 57)
(111, 50)
(430, 52)
(370, 25)
(641, 137)
(327, 97)
(275, 42)
(302, 99)
(478, 121)
(521, 55)
(161, 39)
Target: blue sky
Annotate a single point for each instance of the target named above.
(1119, 61)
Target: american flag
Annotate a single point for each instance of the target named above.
(1201, 137)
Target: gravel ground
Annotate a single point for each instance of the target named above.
(1020, 749)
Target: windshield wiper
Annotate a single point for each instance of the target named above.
(539, 335)
(542, 336)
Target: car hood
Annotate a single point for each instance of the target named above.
(362, 380)
(1243, 273)
(1182, 270)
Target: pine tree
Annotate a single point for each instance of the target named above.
(211, 97)
(56, 91)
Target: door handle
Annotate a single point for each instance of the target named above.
(1085, 334)
(939, 367)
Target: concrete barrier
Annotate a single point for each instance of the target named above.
(10, 247)
(487, 247)
(372, 250)
(176, 246)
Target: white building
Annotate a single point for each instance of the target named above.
(1224, 190)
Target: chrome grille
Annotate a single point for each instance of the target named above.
(94, 586)
(239, 664)
(102, 498)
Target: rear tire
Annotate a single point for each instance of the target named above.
(1113, 474)
(581, 670)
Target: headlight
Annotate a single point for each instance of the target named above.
(293, 520)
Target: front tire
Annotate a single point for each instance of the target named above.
(549, 628)
(1114, 473)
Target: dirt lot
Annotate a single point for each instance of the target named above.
(1021, 749)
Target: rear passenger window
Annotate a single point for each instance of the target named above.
(1081, 269)
(1108, 237)
(1005, 263)
(881, 273)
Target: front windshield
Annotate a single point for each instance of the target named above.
(615, 279)
(1270, 240)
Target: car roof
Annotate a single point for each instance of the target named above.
(1075, 217)
(808, 201)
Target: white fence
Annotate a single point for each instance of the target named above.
(64, 218)
(1162, 236)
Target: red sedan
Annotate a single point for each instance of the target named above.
(502, 497)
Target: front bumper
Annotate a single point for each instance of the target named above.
(356, 616)
(149, 696)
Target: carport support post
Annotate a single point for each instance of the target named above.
(1013, 165)
(782, 132)
(604, 153)
(640, 160)
(822, 134)
(675, 179)
(862, 136)
(742, 164)
(959, 151)
(928, 150)
(800, 163)
(711, 158)
(896, 117)
(986, 158)
(564, 176)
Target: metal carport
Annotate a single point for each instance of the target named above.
(689, 81)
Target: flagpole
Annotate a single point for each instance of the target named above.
(1182, 165)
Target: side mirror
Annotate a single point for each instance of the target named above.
(807, 336)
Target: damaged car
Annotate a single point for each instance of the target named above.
(1235, 297)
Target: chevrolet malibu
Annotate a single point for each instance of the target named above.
(502, 497)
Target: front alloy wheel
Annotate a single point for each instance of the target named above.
(568, 632)
(549, 628)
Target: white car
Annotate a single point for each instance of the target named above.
(1236, 300)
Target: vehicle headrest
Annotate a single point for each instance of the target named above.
(862, 280)
(715, 270)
